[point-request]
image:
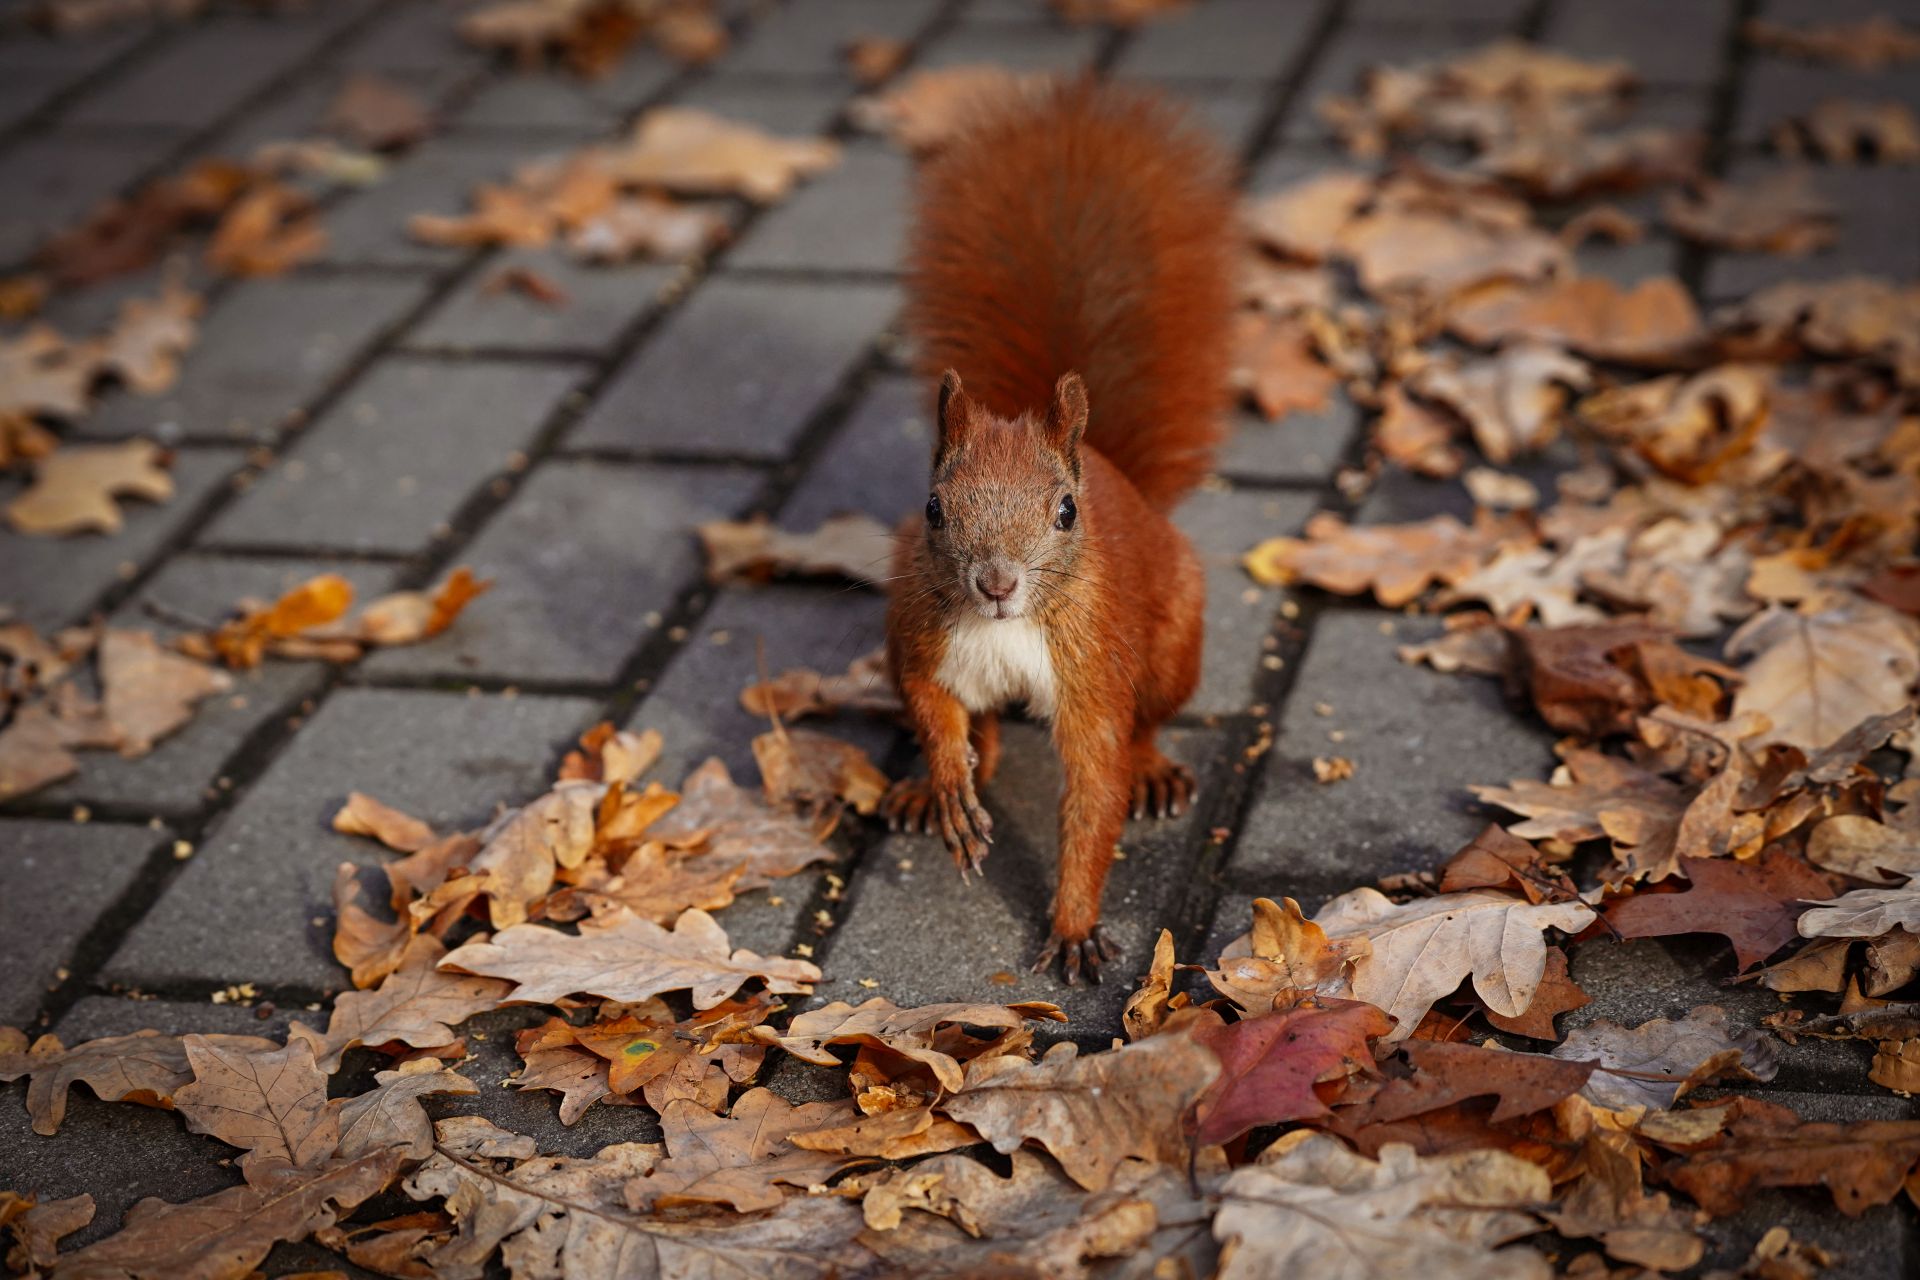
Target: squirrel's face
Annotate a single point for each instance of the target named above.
(1003, 515)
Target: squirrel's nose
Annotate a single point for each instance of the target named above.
(997, 583)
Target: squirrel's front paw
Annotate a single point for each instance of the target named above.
(952, 813)
(1075, 954)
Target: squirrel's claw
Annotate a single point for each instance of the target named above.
(957, 817)
(1165, 791)
(1087, 953)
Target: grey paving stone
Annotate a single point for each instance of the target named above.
(807, 39)
(852, 218)
(695, 704)
(924, 937)
(1297, 161)
(1032, 46)
(790, 110)
(1354, 49)
(405, 448)
(215, 67)
(602, 302)
(121, 1015)
(302, 110)
(1876, 231)
(1778, 89)
(1664, 43)
(1222, 40)
(179, 775)
(246, 905)
(60, 877)
(740, 368)
(267, 349)
(50, 582)
(1628, 264)
(1399, 495)
(1300, 446)
(1401, 12)
(1417, 740)
(578, 559)
(1234, 115)
(557, 99)
(1239, 614)
(36, 67)
(53, 180)
(412, 36)
(877, 463)
(370, 225)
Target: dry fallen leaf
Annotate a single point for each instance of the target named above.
(1276, 366)
(1753, 904)
(1844, 130)
(1658, 1062)
(1817, 671)
(814, 772)
(1512, 401)
(378, 113)
(145, 1068)
(1860, 1164)
(1655, 322)
(738, 1159)
(1858, 846)
(735, 828)
(648, 227)
(801, 692)
(622, 957)
(1309, 1206)
(418, 1004)
(267, 232)
(147, 692)
(912, 1033)
(1778, 214)
(1270, 1063)
(1396, 562)
(1863, 913)
(74, 489)
(692, 152)
(1867, 44)
(272, 1103)
(849, 546)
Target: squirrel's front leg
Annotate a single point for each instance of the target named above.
(1091, 734)
(941, 723)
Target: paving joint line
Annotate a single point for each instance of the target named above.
(1268, 134)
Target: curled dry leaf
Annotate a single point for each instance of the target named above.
(1860, 316)
(1863, 913)
(1091, 1113)
(622, 957)
(1410, 434)
(913, 1033)
(1512, 401)
(1303, 221)
(737, 829)
(1861, 1164)
(1858, 846)
(1284, 959)
(849, 546)
(418, 1004)
(1396, 562)
(74, 489)
(1655, 322)
(1658, 1062)
(1147, 1007)
(145, 1068)
(1780, 213)
(1309, 1206)
(38, 1227)
(362, 815)
(814, 771)
(799, 692)
(1844, 130)
(929, 107)
(268, 231)
(1421, 950)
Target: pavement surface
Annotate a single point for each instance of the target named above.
(383, 415)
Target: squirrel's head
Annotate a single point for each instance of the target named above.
(1003, 516)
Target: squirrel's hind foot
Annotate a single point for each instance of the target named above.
(1087, 953)
(1161, 788)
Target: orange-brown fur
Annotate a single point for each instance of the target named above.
(1087, 232)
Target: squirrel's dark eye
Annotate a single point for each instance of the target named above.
(1063, 518)
(936, 518)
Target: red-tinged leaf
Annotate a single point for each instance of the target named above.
(1445, 1074)
(1754, 905)
(1269, 1064)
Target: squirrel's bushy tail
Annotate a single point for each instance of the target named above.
(1086, 228)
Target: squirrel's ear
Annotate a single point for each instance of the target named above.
(1067, 415)
(954, 415)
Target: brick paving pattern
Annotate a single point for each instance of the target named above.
(381, 415)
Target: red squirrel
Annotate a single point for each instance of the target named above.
(1071, 284)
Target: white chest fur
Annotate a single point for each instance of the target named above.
(993, 661)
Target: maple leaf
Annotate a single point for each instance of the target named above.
(1396, 562)
(1818, 671)
(563, 1215)
(145, 1067)
(1311, 1207)
(1754, 905)
(230, 1231)
(737, 1159)
(847, 546)
(1863, 913)
(1421, 950)
(1655, 322)
(1447, 1074)
(1091, 1112)
(1270, 1063)
(1558, 994)
(1656, 1063)
(1861, 1164)
(74, 488)
(272, 1103)
(739, 829)
(623, 957)
(417, 1004)
(148, 693)
(912, 1033)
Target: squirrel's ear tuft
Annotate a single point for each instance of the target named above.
(1067, 415)
(954, 415)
